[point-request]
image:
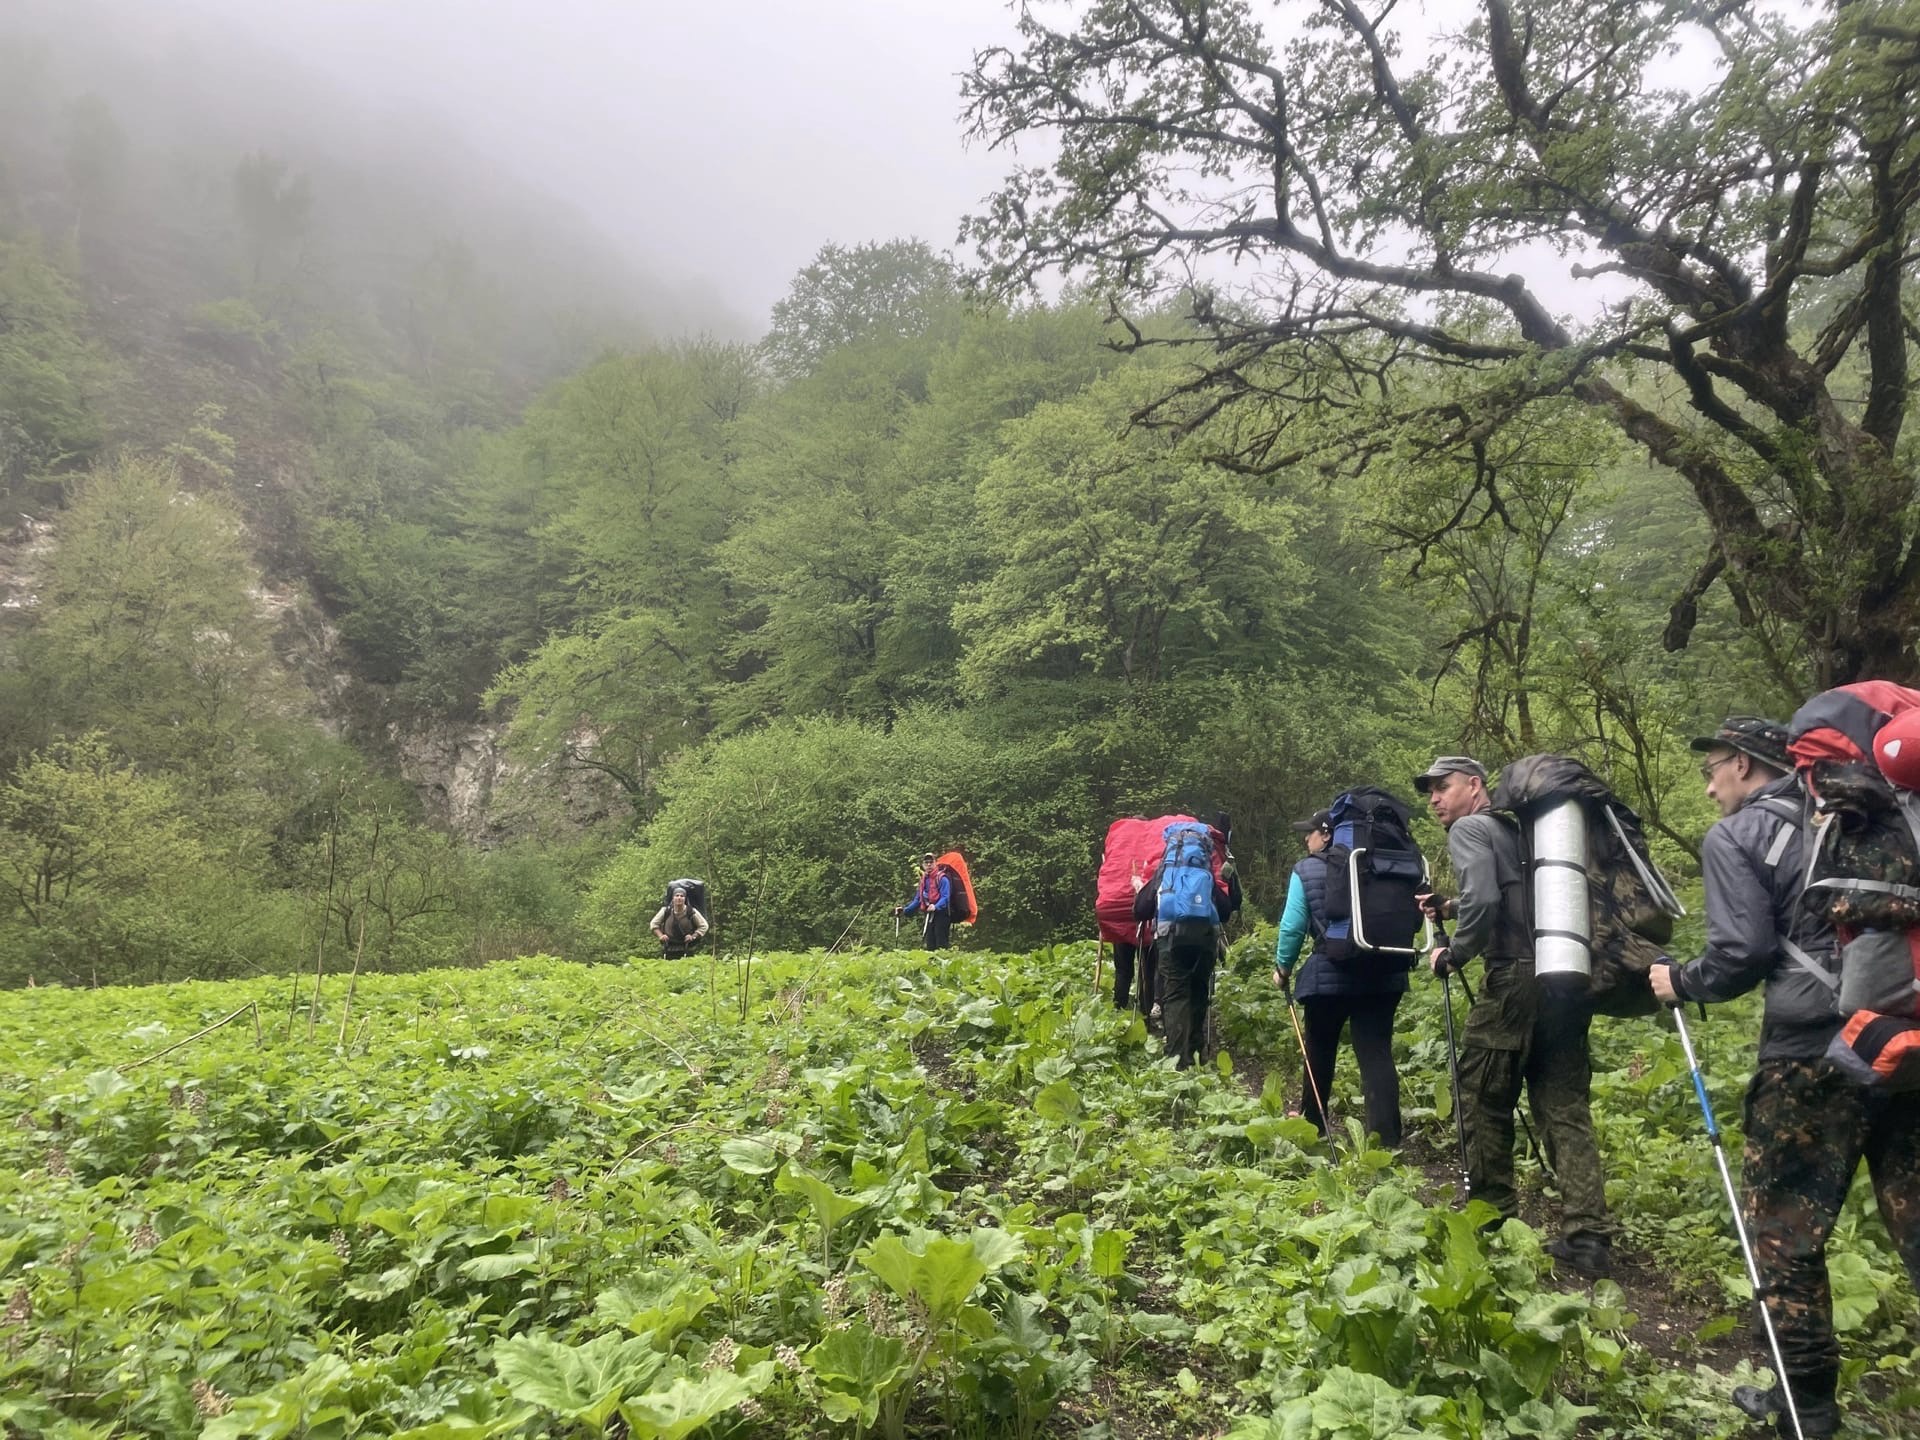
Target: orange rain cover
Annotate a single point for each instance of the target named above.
(957, 863)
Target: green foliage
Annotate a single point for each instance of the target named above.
(50, 370)
(1119, 553)
(85, 845)
(896, 290)
(150, 632)
(553, 1196)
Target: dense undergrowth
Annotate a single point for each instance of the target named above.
(882, 1194)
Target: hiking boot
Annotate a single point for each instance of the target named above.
(1585, 1253)
(1812, 1397)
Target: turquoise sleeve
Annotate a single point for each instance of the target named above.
(1294, 926)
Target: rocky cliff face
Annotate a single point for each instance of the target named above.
(468, 784)
(24, 549)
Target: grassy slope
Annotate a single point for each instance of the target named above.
(337, 1239)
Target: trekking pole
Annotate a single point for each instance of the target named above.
(1437, 936)
(1739, 1224)
(1306, 1069)
(1453, 1066)
(1539, 1155)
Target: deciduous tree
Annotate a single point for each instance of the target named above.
(1753, 204)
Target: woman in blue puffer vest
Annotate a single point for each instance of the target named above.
(1364, 992)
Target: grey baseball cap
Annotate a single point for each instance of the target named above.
(1449, 765)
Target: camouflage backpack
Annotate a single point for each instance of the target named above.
(1631, 908)
(1863, 875)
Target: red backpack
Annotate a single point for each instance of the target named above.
(1857, 748)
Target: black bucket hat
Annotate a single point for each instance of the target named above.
(1765, 740)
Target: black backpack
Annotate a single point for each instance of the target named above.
(696, 896)
(959, 903)
(1374, 870)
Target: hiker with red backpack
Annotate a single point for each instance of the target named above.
(933, 902)
(1808, 1122)
(943, 896)
(1186, 902)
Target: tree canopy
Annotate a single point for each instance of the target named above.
(1744, 179)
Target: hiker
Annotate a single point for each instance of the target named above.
(1186, 933)
(1127, 954)
(1362, 991)
(679, 926)
(1229, 868)
(1807, 1124)
(933, 902)
(1515, 1033)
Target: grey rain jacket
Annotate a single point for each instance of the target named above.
(1754, 861)
(1492, 920)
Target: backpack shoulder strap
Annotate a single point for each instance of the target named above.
(1795, 817)
(1810, 965)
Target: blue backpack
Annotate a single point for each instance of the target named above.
(1186, 878)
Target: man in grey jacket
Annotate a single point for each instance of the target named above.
(1807, 1124)
(1515, 1034)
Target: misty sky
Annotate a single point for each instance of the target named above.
(728, 139)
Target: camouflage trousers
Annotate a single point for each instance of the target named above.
(1808, 1128)
(1515, 1037)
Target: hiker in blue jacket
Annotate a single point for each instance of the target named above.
(932, 898)
(1363, 992)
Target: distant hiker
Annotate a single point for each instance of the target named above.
(1362, 990)
(933, 902)
(679, 926)
(1184, 899)
(1808, 1124)
(1229, 867)
(1514, 1034)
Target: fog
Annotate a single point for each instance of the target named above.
(706, 150)
(720, 144)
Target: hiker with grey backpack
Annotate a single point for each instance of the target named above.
(1813, 1110)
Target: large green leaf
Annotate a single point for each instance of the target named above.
(577, 1382)
(941, 1272)
(750, 1157)
(830, 1207)
(687, 1404)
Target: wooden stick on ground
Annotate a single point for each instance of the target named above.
(253, 1005)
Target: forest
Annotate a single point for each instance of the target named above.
(309, 464)
(404, 578)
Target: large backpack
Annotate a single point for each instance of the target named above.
(1629, 907)
(696, 896)
(1134, 846)
(962, 908)
(1185, 896)
(1374, 871)
(1863, 874)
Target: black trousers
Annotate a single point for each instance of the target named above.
(1188, 970)
(1372, 1019)
(1125, 954)
(939, 929)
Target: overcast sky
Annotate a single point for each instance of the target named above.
(728, 139)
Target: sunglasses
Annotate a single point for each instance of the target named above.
(1706, 770)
